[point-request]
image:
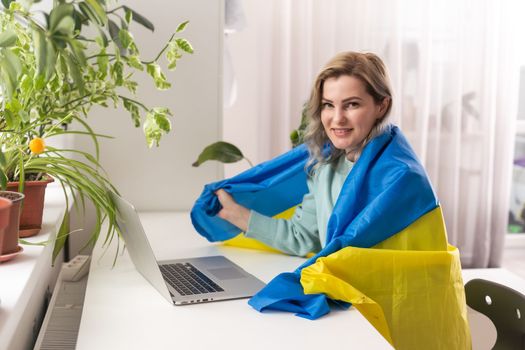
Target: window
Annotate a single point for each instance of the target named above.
(517, 201)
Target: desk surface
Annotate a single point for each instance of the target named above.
(122, 311)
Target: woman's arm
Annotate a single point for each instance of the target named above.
(297, 236)
(232, 211)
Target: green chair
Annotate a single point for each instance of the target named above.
(504, 306)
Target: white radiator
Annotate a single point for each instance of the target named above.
(59, 329)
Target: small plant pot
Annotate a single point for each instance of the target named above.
(10, 245)
(33, 208)
(5, 209)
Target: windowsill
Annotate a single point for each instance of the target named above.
(22, 278)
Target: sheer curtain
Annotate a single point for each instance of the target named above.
(454, 69)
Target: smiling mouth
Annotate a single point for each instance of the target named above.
(341, 131)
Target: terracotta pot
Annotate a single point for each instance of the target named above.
(33, 208)
(5, 208)
(11, 231)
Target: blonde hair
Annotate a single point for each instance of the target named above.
(368, 68)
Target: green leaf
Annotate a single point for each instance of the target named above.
(79, 18)
(126, 39)
(172, 63)
(161, 118)
(14, 106)
(99, 11)
(137, 17)
(15, 6)
(114, 33)
(123, 24)
(40, 47)
(173, 55)
(62, 66)
(159, 78)
(51, 59)
(35, 244)
(113, 29)
(182, 26)
(294, 137)
(7, 38)
(117, 71)
(59, 13)
(61, 235)
(14, 63)
(26, 87)
(24, 116)
(128, 15)
(134, 61)
(297, 135)
(75, 73)
(66, 26)
(131, 86)
(184, 45)
(103, 62)
(220, 151)
(10, 69)
(40, 82)
(89, 13)
(21, 181)
(10, 119)
(101, 39)
(3, 180)
(156, 124)
(6, 3)
(78, 51)
(133, 109)
(2, 158)
(34, 114)
(7, 82)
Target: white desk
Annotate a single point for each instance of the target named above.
(122, 311)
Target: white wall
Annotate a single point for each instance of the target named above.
(163, 178)
(240, 126)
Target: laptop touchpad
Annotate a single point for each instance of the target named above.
(226, 273)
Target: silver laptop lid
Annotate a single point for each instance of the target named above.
(138, 245)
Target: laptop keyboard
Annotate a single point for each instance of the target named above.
(188, 280)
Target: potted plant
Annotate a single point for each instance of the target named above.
(5, 208)
(10, 246)
(54, 67)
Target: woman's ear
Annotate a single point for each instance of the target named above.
(383, 107)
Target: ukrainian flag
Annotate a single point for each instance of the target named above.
(386, 205)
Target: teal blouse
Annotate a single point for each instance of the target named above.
(306, 231)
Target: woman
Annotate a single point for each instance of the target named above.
(367, 209)
(356, 183)
(348, 107)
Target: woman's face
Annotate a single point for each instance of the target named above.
(348, 112)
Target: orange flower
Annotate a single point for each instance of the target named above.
(37, 145)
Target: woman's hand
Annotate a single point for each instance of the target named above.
(233, 212)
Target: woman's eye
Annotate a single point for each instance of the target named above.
(352, 105)
(326, 105)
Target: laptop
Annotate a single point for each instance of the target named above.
(182, 281)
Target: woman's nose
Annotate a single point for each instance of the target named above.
(339, 115)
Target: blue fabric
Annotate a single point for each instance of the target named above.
(268, 188)
(384, 193)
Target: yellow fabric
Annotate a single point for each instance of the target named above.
(409, 287)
